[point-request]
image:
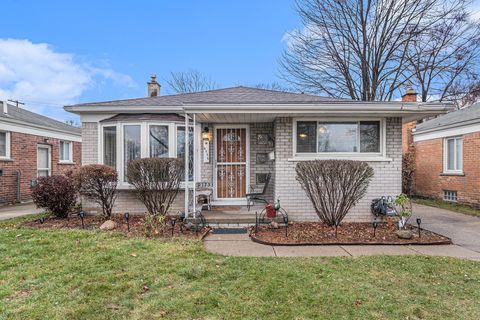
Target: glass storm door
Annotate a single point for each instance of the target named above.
(231, 163)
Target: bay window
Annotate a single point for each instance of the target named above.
(453, 155)
(132, 145)
(122, 142)
(158, 136)
(342, 137)
(110, 146)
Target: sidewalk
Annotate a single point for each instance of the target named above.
(18, 210)
(241, 245)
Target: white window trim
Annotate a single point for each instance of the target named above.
(70, 152)
(451, 195)
(145, 144)
(49, 153)
(7, 146)
(445, 156)
(363, 156)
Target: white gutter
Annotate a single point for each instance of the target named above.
(268, 108)
(14, 124)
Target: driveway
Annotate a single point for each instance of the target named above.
(18, 210)
(464, 230)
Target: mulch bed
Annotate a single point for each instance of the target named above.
(137, 222)
(316, 233)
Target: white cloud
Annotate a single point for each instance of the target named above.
(46, 79)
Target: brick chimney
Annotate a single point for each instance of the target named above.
(5, 107)
(410, 94)
(153, 87)
(407, 138)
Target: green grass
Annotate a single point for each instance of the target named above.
(457, 207)
(46, 274)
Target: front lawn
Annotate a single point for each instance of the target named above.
(46, 274)
(457, 207)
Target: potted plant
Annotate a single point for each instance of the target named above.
(404, 212)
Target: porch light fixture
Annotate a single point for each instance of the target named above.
(302, 135)
(127, 217)
(419, 222)
(82, 216)
(206, 134)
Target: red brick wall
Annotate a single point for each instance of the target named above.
(429, 181)
(23, 156)
(407, 138)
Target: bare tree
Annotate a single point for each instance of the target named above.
(275, 86)
(355, 48)
(464, 93)
(444, 57)
(190, 81)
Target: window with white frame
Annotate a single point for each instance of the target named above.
(44, 160)
(450, 195)
(66, 151)
(453, 155)
(109, 152)
(4, 145)
(344, 137)
(123, 142)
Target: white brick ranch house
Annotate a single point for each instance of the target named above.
(240, 134)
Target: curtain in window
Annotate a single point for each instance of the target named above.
(3, 144)
(131, 144)
(158, 141)
(181, 148)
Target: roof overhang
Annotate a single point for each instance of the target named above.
(33, 129)
(267, 112)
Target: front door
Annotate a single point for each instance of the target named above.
(44, 160)
(231, 157)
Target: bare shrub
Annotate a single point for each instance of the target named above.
(98, 183)
(408, 171)
(56, 193)
(156, 181)
(334, 186)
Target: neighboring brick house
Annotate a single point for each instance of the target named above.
(447, 157)
(239, 134)
(32, 145)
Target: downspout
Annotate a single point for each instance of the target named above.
(194, 167)
(19, 190)
(186, 165)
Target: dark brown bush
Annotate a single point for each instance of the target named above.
(156, 181)
(408, 172)
(98, 183)
(57, 194)
(334, 186)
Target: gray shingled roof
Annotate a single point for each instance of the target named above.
(21, 114)
(235, 95)
(451, 119)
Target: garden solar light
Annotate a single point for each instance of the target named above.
(82, 216)
(285, 220)
(127, 216)
(173, 220)
(42, 220)
(375, 226)
(419, 222)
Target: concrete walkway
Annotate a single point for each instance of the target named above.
(462, 229)
(241, 245)
(18, 210)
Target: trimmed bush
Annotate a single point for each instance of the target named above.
(156, 181)
(98, 183)
(57, 194)
(334, 186)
